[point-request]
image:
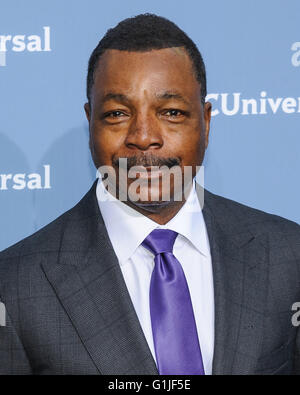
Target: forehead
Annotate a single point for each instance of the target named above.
(152, 71)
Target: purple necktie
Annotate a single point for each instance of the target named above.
(174, 329)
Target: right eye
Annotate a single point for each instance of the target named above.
(113, 114)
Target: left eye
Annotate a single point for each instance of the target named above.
(173, 113)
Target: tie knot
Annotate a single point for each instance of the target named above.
(160, 240)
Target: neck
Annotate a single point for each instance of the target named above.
(162, 213)
(159, 214)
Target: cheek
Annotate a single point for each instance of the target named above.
(192, 154)
(105, 145)
(188, 145)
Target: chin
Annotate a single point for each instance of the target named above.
(151, 207)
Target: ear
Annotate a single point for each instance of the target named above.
(87, 110)
(207, 118)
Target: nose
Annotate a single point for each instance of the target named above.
(144, 133)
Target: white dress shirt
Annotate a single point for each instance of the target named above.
(127, 229)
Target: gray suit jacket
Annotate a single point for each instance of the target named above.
(69, 311)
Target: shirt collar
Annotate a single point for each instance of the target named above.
(127, 228)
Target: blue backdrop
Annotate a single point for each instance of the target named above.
(252, 54)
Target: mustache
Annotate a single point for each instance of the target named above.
(147, 161)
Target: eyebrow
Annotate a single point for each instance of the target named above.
(167, 95)
(115, 96)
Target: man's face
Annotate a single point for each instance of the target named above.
(146, 106)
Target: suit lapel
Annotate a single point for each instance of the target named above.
(89, 284)
(239, 261)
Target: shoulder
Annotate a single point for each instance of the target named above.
(44, 240)
(21, 273)
(245, 214)
(47, 240)
(20, 265)
(237, 216)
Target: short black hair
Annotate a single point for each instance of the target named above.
(143, 33)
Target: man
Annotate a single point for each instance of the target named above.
(151, 285)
